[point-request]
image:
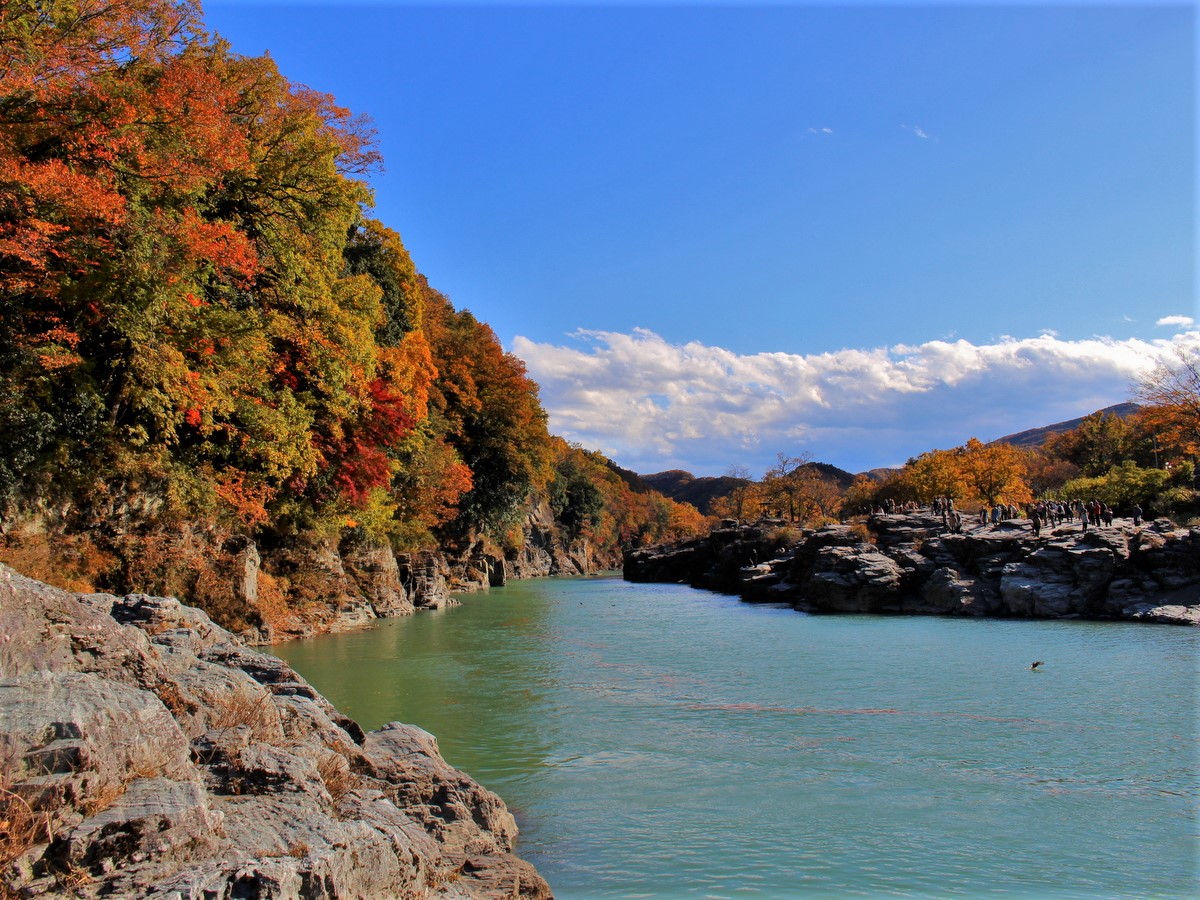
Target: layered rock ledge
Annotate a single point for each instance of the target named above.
(145, 752)
(911, 564)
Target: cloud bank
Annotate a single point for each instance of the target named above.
(651, 405)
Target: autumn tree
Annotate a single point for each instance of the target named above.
(1171, 394)
(936, 473)
(1047, 472)
(860, 496)
(576, 492)
(172, 245)
(1098, 443)
(489, 411)
(783, 486)
(994, 473)
(737, 502)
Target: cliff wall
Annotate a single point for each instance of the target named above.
(284, 588)
(146, 752)
(910, 564)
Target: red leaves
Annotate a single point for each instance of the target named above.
(362, 460)
(229, 250)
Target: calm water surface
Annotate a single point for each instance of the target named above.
(657, 741)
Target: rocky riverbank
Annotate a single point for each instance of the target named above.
(910, 564)
(319, 586)
(286, 586)
(146, 752)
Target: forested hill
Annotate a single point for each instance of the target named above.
(205, 339)
(1036, 437)
(702, 491)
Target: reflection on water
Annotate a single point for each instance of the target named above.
(656, 741)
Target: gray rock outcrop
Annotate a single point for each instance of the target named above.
(911, 564)
(145, 752)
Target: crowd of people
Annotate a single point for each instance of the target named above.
(1049, 513)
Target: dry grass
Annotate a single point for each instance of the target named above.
(244, 707)
(174, 700)
(863, 533)
(73, 563)
(273, 607)
(22, 826)
(335, 772)
(782, 538)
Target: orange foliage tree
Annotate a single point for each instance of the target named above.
(1171, 394)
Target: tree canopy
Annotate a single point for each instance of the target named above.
(195, 305)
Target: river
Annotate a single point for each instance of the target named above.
(659, 741)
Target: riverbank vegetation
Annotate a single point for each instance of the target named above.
(205, 334)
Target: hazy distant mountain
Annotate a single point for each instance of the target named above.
(1035, 437)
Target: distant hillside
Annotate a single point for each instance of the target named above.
(635, 481)
(1035, 437)
(880, 474)
(684, 487)
(843, 478)
(700, 492)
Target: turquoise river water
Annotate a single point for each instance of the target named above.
(658, 741)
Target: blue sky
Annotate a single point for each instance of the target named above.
(716, 232)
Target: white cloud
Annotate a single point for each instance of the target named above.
(652, 405)
(1181, 321)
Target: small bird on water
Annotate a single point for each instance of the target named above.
(1036, 664)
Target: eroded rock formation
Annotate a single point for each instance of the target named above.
(146, 752)
(911, 564)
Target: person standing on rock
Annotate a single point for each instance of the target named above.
(1035, 522)
(1137, 514)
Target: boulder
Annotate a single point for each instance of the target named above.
(151, 754)
(853, 579)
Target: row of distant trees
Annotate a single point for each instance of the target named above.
(1149, 457)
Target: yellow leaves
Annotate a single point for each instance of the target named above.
(974, 472)
(409, 368)
(246, 498)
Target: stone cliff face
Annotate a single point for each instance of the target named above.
(1146, 573)
(146, 752)
(289, 586)
(352, 584)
